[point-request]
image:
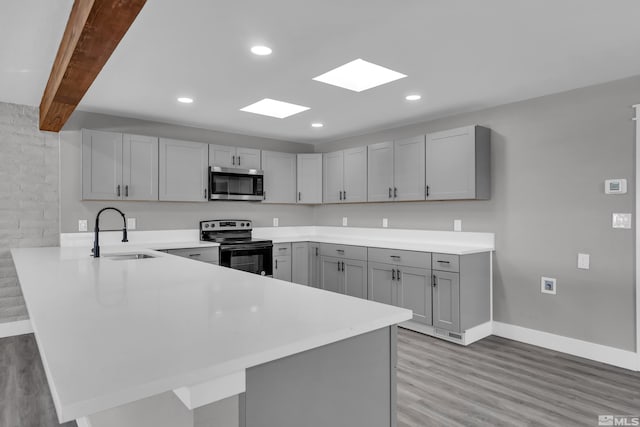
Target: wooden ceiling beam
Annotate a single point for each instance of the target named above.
(94, 29)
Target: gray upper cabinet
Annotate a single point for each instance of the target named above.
(332, 176)
(183, 171)
(396, 170)
(380, 172)
(101, 165)
(119, 167)
(345, 176)
(300, 272)
(458, 164)
(234, 157)
(309, 178)
(279, 177)
(140, 167)
(409, 168)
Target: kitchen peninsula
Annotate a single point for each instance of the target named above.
(124, 339)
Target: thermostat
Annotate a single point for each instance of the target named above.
(615, 186)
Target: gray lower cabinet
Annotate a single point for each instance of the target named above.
(331, 274)
(314, 264)
(343, 269)
(207, 254)
(300, 272)
(118, 166)
(183, 171)
(279, 177)
(355, 278)
(282, 261)
(407, 287)
(446, 300)
(458, 164)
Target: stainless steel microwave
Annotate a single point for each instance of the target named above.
(235, 184)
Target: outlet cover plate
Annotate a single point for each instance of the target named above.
(548, 285)
(457, 225)
(621, 220)
(385, 222)
(131, 223)
(583, 261)
(344, 221)
(276, 222)
(82, 225)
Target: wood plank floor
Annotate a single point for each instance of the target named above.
(494, 382)
(499, 382)
(25, 399)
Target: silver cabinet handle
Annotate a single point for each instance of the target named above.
(395, 192)
(118, 190)
(126, 190)
(390, 195)
(393, 274)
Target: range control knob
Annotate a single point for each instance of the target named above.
(206, 226)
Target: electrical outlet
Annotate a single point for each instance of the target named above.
(548, 285)
(131, 223)
(621, 220)
(276, 222)
(344, 221)
(583, 261)
(82, 225)
(385, 222)
(457, 225)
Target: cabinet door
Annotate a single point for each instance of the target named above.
(279, 177)
(248, 158)
(450, 164)
(101, 165)
(446, 301)
(331, 274)
(314, 264)
(310, 178)
(332, 176)
(140, 167)
(300, 263)
(381, 284)
(355, 278)
(414, 292)
(355, 175)
(380, 172)
(409, 168)
(183, 171)
(222, 156)
(282, 267)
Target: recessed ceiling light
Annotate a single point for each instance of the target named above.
(316, 125)
(185, 100)
(273, 108)
(413, 97)
(261, 50)
(359, 75)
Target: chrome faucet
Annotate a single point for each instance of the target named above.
(96, 230)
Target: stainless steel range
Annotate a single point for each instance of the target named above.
(238, 249)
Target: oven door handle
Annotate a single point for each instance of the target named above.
(244, 247)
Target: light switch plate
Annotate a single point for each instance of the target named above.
(131, 223)
(276, 221)
(457, 225)
(548, 285)
(621, 220)
(385, 222)
(82, 225)
(344, 221)
(583, 261)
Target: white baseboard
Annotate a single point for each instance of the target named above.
(20, 327)
(588, 350)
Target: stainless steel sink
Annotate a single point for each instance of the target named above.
(123, 257)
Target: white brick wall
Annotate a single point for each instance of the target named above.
(29, 200)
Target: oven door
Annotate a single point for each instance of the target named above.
(236, 184)
(253, 258)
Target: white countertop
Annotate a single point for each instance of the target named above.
(113, 332)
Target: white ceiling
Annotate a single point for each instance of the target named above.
(461, 55)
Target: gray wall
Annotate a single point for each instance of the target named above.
(29, 208)
(550, 157)
(163, 215)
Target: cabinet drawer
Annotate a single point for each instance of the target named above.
(210, 255)
(446, 262)
(398, 257)
(281, 249)
(344, 251)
